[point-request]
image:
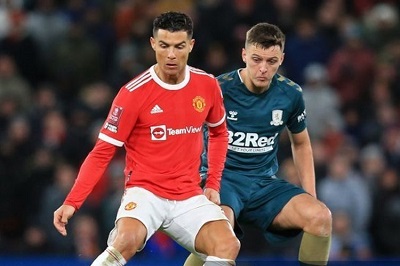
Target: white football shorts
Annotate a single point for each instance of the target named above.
(180, 219)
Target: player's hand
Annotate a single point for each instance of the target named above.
(61, 217)
(212, 195)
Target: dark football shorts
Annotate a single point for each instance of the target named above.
(257, 201)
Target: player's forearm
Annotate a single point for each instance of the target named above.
(217, 147)
(303, 160)
(90, 173)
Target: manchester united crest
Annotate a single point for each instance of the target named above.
(130, 206)
(199, 103)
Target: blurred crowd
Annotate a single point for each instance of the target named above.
(62, 62)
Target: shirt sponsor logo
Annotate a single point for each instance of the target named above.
(250, 142)
(160, 132)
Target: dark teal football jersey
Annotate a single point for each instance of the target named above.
(255, 122)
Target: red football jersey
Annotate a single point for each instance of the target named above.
(160, 126)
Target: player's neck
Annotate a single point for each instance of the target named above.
(169, 78)
(250, 85)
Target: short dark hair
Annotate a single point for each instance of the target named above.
(173, 21)
(265, 35)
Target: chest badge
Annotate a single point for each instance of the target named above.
(277, 118)
(199, 104)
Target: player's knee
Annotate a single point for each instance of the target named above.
(227, 248)
(128, 242)
(321, 222)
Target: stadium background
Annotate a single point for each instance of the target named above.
(62, 61)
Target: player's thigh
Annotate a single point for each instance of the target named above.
(298, 212)
(139, 208)
(213, 235)
(189, 218)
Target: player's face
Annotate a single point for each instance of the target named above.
(261, 65)
(172, 53)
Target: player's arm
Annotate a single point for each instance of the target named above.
(89, 174)
(217, 147)
(303, 160)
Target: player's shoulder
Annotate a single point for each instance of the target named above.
(287, 85)
(139, 81)
(200, 73)
(228, 78)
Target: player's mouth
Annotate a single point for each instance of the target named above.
(171, 66)
(262, 79)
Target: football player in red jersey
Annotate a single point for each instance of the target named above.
(158, 117)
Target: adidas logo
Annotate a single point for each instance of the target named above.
(156, 109)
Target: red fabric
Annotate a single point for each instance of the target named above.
(160, 127)
(90, 173)
(217, 148)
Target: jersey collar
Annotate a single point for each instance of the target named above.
(168, 86)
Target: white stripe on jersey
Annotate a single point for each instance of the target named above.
(110, 140)
(138, 81)
(218, 123)
(199, 71)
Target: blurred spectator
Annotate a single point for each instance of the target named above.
(351, 67)
(76, 62)
(44, 100)
(372, 164)
(346, 245)
(387, 72)
(54, 130)
(47, 26)
(86, 236)
(22, 47)
(322, 103)
(16, 149)
(381, 25)
(306, 45)
(53, 195)
(96, 98)
(328, 15)
(390, 142)
(15, 91)
(284, 13)
(344, 190)
(126, 64)
(385, 221)
(41, 173)
(321, 159)
(216, 60)
(215, 17)
(100, 29)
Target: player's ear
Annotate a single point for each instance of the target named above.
(283, 57)
(244, 55)
(192, 41)
(153, 43)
